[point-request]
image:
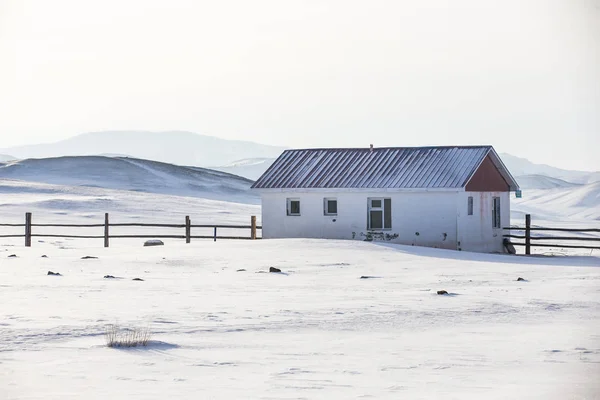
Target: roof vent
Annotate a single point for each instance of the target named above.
(371, 147)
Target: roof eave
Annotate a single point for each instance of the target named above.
(355, 190)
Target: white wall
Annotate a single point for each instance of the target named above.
(431, 214)
(476, 232)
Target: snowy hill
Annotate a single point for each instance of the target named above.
(580, 203)
(181, 148)
(521, 166)
(542, 182)
(131, 174)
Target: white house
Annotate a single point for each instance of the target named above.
(448, 197)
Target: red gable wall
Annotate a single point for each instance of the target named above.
(487, 178)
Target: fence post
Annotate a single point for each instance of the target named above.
(27, 229)
(188, 229)
(253, 227)
(215, 234)
(106, 225)
(527, 233)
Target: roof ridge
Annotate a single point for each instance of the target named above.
(392, 148)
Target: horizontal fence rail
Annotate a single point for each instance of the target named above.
(566, 246)
(533, 241)
(552, 237)
(29, 225)
(557, 229)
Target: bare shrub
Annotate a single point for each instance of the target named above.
(126, 337)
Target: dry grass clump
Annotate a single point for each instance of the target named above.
(126, 337)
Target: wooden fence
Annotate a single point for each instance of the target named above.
(533, 241)
(29, 225)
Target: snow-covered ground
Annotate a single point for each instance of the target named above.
(315, 331)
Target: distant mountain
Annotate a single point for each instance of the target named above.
(251, 168)
(180, 148)
(521, 166)
(132, 174)
(5, 158)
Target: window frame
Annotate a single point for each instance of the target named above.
(326, 201)
(382, 208)
(470, 205)
(288, 207)
(496, 213)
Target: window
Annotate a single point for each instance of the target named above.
(470, 206)
(293, 206)
(379, 214)
(496, 212)
(329, 206)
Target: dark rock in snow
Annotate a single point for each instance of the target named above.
(153, 242)
(88, 257)
(442, 292)
(519, 279)
(54, 273)
(109, 277)
(12, 256)
(44, 256)
(240, 270)
(273, 269)
(137, 279)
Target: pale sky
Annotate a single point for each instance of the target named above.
(522, 75)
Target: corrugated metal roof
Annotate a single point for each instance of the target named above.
(380, 168)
